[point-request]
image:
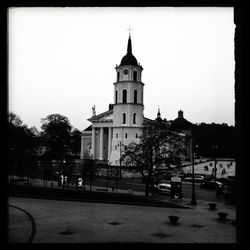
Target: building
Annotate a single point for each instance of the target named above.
(113, 130)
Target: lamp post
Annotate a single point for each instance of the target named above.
(193, 199)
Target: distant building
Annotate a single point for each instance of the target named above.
(122, 124)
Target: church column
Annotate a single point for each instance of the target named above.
(101, 143)
(81, 155)
(109, 142)
(93, 142)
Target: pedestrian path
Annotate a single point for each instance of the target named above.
(76, 222)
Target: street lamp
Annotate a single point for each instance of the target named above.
(193, 200)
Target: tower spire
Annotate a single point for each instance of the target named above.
(129, 49)
(159, 113)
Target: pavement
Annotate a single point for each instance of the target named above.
(60, 221)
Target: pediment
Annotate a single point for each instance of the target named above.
(103, 117)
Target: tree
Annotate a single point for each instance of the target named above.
(56, 132)
(209, 135)
(89, 170)
(22, 142)
(75, 143)
(158, 147)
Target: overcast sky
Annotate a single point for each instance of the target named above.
(62, 60)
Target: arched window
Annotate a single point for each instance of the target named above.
(126, 135)
(135, 75)
(116, 96)
(124, 96)
(135, 96)
(118, 76)
(134, 118)
(123, 118)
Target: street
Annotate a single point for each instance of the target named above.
(136, 185)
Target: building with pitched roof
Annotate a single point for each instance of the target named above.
(111, 131)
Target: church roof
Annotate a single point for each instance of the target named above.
(106, 116)
(129, 58)
(89, 128)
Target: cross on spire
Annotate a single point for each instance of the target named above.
(129, 29)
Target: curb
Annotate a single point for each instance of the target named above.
(33, 223)
(160, 204)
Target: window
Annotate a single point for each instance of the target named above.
(116, 135)
(135, 75)
(135, 96)
(136, 136)
(126, 135)
(124, 96)
(115, 147)
(123, 118)
(134, 118)
(116, 96)
(205, 168)
(118, 76)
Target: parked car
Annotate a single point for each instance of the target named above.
(198, 179)
(211, 185)
(164, 188)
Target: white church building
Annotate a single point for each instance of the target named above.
(111, 131)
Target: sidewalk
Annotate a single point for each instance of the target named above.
(17, 218)
(84, 222)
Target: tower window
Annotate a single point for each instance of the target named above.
(135, 75)
(134, 118)
(123, 118)
(135, 96)
(118, 76)
(116, 96)
(124, 96)
(126, 135)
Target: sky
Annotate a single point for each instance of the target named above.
(62, 61)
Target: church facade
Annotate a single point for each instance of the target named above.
(112, 131)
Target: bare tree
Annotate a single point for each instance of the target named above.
(158, 146)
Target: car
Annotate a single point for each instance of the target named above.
(164, 188)
(196, 179)
(211, 185)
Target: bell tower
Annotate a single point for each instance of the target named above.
(128, 101)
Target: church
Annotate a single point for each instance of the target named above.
(112, 131)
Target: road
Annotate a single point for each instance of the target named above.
(136, 185)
